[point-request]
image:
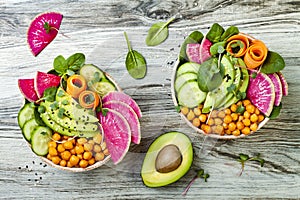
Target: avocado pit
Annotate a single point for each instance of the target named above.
(168, 159)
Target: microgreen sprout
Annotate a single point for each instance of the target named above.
(200, 174)
(48, 28)
(243, 158)
(178, 108)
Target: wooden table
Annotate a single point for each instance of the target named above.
(96, 29)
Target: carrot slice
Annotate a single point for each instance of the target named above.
(256, 54)
(75, 85)
(89, 99)
(237, 45)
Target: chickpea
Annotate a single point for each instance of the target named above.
(261, 118)
(60, 148)
(52, 144)
(80, 156)
(254, 118)
(97, 148)
(196, 122)
(66, 155)
(228, 132)
(200, 106)
(52, 151)
(233, 107)
(91, 161)
(74, 160)
(99, 156)
(210, 122)
(214, 113)
(190, 116)
(227, 119)
(83, 163)
(240, 125)
(88, 147)
(91, 142)
(240, 118)
(87, 155)
(246, 131)
(225, 126)
(206, 128)
(236, 132)
(257, 111)
(218, 121)
(68, 145)
(246, 114)
(49, 156)
(219, 129)
(246, 122)
(56, 160)
(73, 141)
(246, 102)
(79, 149)
(63, 163)
(231, 126)
(97, 138)
(202, 118)
(227, 111)
(184, 110)
(65, 137)
(82, 141)
(69, 164)
(250, 108)
(106, 152)
(234, 116)
(103, 146)
(72, 151)
(221, 114)
(197, 111)
(239, 103)
(56, 137)
(253, 127)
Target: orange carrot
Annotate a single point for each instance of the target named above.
(237, 45)
(256, 54)
(89, 99)
(75, 85)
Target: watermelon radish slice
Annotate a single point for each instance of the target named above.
(44, 81)
(131, 117)
(193, 52)
(117, 134)
(283, 83)
(204, 50)
(261, 93)
(120, 96)
(27, 89)
(38, 37)
(278, 88)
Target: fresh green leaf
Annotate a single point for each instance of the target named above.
(70, 72)
(49, 94)
(65, 102)
(75, 61)
(54, 105)
(60, 65)
(41, 109)
(158, 33)
(275, 112)
(104, 111)
(47, 27)
(194, 37)
(60, 113)
(215, 33)
(231, 88)
(178, 108)
(60, 93)
(273, 63)
(254, 75)
(241, 95)
(232, 30)
(243, 157)
(205, 177)
(135, 62)
(240, 109)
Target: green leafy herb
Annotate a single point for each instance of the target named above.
(49, 94)
(65, 102)
(232, 30)
(275, 112)
(135, 62)
(241, 95)
(217, 48)
(243, 158)
(194, 37)
(75, 61)
(231, 88)
(68, 66)
(60, 93)
(104, 111)
(273, 63)
(158, 33)
(43, 133)
(254, 75)
(240, 109)
(54, 105)
(178, 108)
(60, 113)
(200, 174)
(41, 109)
(215, 33)
(47, 27)
(60, 65)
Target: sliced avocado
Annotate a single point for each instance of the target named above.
(67, 122)
(64, 131)
(168, 158)
(221, 92)
(72, 109)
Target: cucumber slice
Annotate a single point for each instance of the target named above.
(25, 114)
(188, 67)
(190, 95)
(88, 71)
(183, 78)
(39, 140)
(28, 128)
(103, 87)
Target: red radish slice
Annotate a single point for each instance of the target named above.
(44, 81)
(284, 84)
(193, 52)
(37, 36)
(120, 96)
(27, 89)
(204, 50)
(278, 88)
(117, 134)
(131, 117)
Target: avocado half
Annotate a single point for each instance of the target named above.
(153, 177)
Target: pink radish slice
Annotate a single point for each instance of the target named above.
(131, 117)
(204, 50)
(193, 52)
(27, 89)
(120, 96)
(37, 36)
(278, 88)
(116, 133)
(284, 84)
(44, 81)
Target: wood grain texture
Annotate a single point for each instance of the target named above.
(96, 29)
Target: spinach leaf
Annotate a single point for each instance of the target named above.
(60, 65)
(76, 61)
(194, 37)
(215, 33)
(275, 112)
(217, 48)
(158, 33)
(232, 30)
(49, 94)
(135, 62)
(210, 75)
(273, 63)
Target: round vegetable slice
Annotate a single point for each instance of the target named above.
(26, 87)
(44, 81)
(284, 84)
(278, 88)
(39, 140)
(193, 52)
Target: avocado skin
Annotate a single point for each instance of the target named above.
(150, 176)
